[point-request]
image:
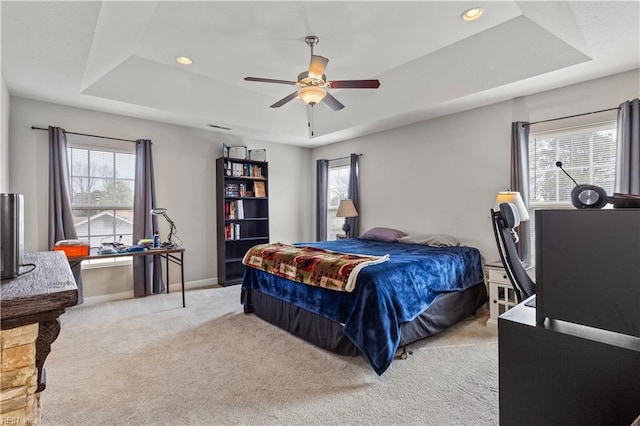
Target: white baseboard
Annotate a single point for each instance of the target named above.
(173, 287)
(193, 284)
(102, 298)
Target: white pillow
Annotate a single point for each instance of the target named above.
(434, 240)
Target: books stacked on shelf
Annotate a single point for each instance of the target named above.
(236, 190)
(232, 190)
(242, 170)
(232, 231)
(234, 209)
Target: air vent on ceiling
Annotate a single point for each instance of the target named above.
(218, 127)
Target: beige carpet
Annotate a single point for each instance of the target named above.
(149, 362)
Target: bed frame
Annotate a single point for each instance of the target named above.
(446, 310)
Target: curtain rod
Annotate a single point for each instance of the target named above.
(86, 134)
(571, 116)
(344, 158)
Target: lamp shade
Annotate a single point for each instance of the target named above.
(346, 208)
(515, 198)
(312, 94)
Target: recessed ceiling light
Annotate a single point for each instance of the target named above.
(184, 60)
(472, 14)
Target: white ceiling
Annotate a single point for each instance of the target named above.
(119, 57)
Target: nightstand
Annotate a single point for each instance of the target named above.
(502, 297)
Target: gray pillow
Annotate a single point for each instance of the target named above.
(387, 235)
(434, 240)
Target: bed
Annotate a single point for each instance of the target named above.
(417, 292)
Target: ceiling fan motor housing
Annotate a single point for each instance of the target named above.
(304, 80)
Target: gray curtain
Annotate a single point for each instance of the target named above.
(322, 172)
(61, 225)
(354, 222)
(520, 181)
(628, 148)
(147, 270)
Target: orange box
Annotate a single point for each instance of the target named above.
(72, 251)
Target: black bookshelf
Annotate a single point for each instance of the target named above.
(242, 204)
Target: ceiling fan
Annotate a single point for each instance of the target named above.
(313, 83)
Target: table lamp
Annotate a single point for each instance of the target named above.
(346, 209)
(515, 198)
(160, 211)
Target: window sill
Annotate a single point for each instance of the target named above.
(106, 263)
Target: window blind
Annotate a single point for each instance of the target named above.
(587, 153)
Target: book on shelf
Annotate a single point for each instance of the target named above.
(259, 189)
(237, 169)
(240, 209)
(242, 170)
(232, 190)
(232, 231)
(234, 209)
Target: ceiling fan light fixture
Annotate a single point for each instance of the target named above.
(472, 14)
(311, 95)
(184, 60)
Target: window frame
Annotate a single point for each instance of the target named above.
(332, 221)
(606, 125)
(112, 147)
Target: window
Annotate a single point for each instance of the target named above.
(338, 189)
(101, 183)
(587, 153)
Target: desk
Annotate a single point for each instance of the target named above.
(563, 373)
(39, 297)
(170, 255)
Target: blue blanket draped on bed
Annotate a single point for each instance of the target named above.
(386, 295)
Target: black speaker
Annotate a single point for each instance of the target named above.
(589, 197)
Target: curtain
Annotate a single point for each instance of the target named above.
(520, 181)
(628, 148)
(353, 195)
(322, 172)
(61, 225)
(147, 270)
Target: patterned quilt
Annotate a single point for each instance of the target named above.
(310, 265)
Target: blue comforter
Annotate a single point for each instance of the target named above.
(386, 295)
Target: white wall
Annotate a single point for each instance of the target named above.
(437, 176)
(4, 129)
(184, 161)
(442, 175)
(4, 136)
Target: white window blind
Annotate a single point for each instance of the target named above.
(587, 153)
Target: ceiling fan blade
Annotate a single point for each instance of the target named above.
(310, 120)
(354, 84)
(268, 80)
(332, 102)
(317, 66)
(285, 100)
